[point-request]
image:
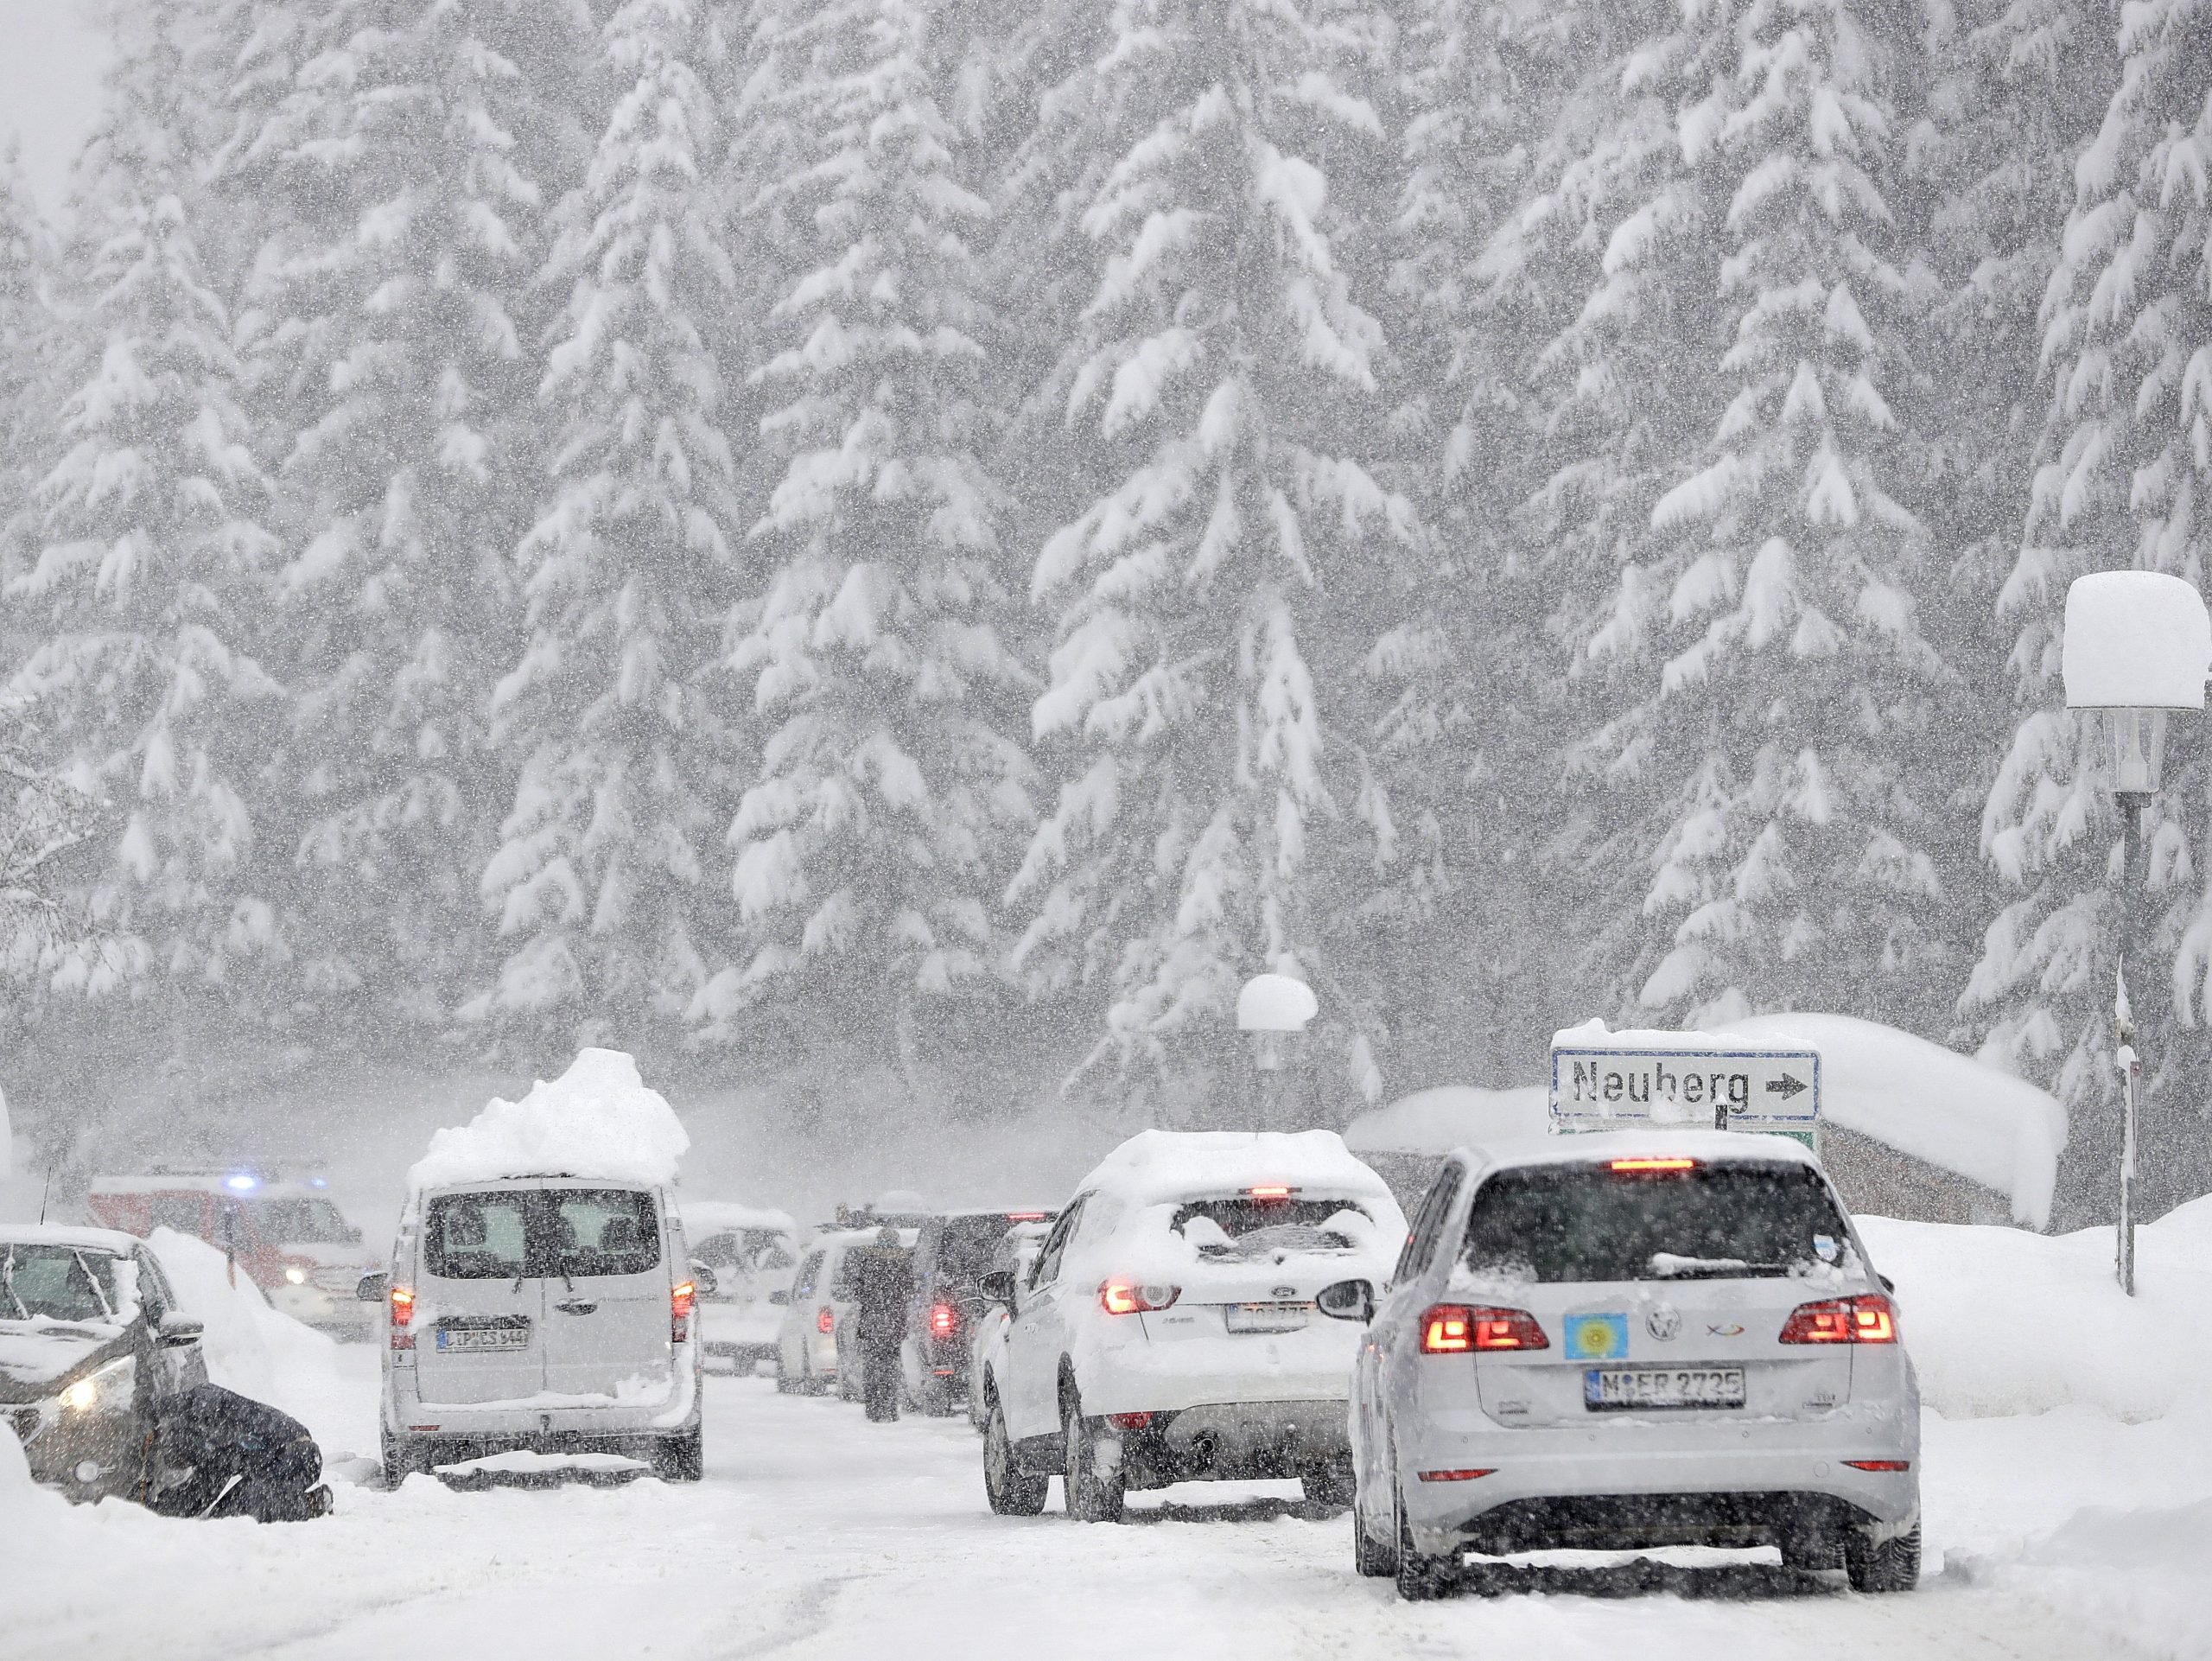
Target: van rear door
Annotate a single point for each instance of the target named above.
(479, 1311)
(608, 1313)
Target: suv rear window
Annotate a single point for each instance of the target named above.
(540, 1232)
(1589, 1223)
(964, 1249)
(1253, 1227)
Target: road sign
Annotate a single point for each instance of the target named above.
(1731, 1088)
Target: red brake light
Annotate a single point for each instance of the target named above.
(1269, 1191)
(1455, 1476)
(1651, 1164)
(1128, 1420)
(1868, 1319)
(1126, 1298)
(1025, 1216)
(943, 1319)
(1457, 1328)
(1879, 1464)
(825, 1322)
(681, 1297)
(402, 1307)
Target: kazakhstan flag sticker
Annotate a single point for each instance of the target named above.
(1596, 1338)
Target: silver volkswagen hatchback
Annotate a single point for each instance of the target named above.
(1632, 1340)
(550, 1314)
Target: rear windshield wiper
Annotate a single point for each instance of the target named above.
(1667, 1265)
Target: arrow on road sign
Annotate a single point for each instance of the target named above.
(1784, 1086)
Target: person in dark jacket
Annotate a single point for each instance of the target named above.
(224, 1454)
(883, 1279)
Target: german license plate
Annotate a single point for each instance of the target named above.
(1619, 1389)
(1268, 1317)
(473, 1338)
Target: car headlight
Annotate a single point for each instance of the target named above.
(297, 1275)
(108, 1390)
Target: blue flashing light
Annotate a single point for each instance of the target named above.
(241, 1182)
(317, 1182)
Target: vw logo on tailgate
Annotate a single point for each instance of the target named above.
(1663, 1321)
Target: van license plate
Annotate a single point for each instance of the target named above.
(481, 1338)
(1606, 1389)
(1268, 1317)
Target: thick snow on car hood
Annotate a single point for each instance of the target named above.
(36, 1355)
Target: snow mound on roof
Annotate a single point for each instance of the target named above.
(597, 1119)
(1154, 1166)
(1449, 1117)
(1950, 1110)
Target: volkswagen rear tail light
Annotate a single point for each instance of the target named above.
(1650, 1164)
(943, 1319)
(1868, 1319)
(681, 1297)
(825, 1319)
(1126, 1298)
(1461, 1329)
(1265, 1192)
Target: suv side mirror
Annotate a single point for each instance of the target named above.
(178, 1329)
(702, 1279)
(372, 1287)
(1347, 1301)
(998, 1286)
(781, 1300)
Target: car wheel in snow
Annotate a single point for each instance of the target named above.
(1012, 1491)
(1377, 1559)
(1328, 1484)
(1091, 1474)
(403, 1458)
(1893, 1565)
(1422, 1577)
(786, 1385)
(681, 1459)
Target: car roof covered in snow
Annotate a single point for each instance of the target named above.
(89, 1239)
(205, 1182)
(1591, 1147)
(705, 1217)
(1159, 1166)
(599, 1119)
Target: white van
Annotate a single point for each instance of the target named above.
(551, 1314)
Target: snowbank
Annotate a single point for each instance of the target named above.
(1154, 1166)
(251, 1348)
(2003, 1321)
(1939, 1106)
(704, 1216)
(1450, 1117)
(597, 1119)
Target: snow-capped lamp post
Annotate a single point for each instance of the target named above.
(2138, 644)
(1274, 1008)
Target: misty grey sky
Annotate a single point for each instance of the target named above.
(50, 63)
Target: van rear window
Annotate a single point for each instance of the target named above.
(1709, 1222)
(540, 1232)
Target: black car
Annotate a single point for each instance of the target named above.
(103, 1382)
(951, 1258)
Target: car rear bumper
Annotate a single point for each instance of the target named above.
(1711, 1482)
(1233, 1441)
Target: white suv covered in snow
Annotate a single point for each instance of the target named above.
(1168, 1332)
(1627, 1340)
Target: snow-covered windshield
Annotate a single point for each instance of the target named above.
(1590, 1223)
(1245, 1227)
(56, 1282)
(302, 1222)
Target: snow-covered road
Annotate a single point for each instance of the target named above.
(817, 1535)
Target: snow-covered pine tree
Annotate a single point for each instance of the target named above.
(151, 577)
(399, 317)
(2128, 342)
(1785, 745)
(599, 883)
(25, 337)
(1211, 602)
(871, 845)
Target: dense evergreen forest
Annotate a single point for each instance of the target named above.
(736, 526)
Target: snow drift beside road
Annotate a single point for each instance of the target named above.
(251, 1348)
(597, 1119)
(2000, 1321)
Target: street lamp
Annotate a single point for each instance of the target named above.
(2138, 644)
(1273, 1008)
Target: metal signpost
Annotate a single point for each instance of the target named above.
(1726, 1087)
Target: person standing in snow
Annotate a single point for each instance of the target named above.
(883, 1278)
